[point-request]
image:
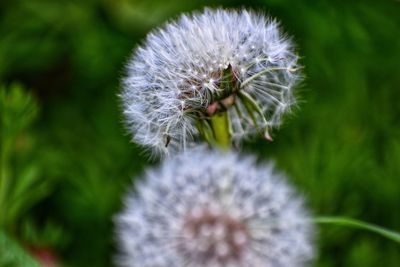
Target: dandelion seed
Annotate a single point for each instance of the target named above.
(208, 208)
(216, 55)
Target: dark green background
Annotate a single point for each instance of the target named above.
(341, 147)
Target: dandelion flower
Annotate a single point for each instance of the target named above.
(213, 209)
(218, 68)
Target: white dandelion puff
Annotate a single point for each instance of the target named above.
(209, 208)
(203, 64)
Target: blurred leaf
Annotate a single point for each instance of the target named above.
(17, 111)
(21, 183)
(12, 255)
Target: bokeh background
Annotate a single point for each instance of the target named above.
(66, 159)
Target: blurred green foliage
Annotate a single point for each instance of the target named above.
(11, 254)
(68, 168)
(17, 111)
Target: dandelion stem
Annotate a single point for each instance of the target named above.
(390, 234)
(220, 124)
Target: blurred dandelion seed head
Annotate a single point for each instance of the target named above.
(205, 63)
(209, 208)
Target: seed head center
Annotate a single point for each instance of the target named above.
(221, 88)
(212, 235)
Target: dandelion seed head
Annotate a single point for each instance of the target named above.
(209, 208)
(199, 50)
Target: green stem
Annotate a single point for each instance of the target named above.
(392, 235)
(221, 127)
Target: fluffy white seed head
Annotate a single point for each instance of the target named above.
(213, 209)
(205, 63)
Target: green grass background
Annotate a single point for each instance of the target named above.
(341, 147)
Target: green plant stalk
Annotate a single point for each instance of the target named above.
(221, 127)
(392, 235)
